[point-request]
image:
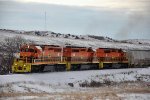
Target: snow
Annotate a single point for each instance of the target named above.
(27, 97)
(131, 96)
(137, 41)
(38, 47)
(21, 98)
(70, 40)
(67, 76)
(58, 82)
(56, 78)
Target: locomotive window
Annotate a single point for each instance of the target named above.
(57, 50)
(50, 49)
(30, 50)
(106, 51)
(120, 51)
(74, 50)
(35, 51)
(89, 50)
(22, 50)
(113, 50)
(82, 49)
(26, 50)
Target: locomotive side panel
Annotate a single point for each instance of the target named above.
(78, 55)
(112, 55)
(52, 53)
(78, 58)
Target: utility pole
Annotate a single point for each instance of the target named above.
(45, 22)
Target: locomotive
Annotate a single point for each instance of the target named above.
(39, 58)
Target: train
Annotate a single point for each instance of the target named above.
(41, 58)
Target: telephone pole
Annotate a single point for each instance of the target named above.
(45, 22)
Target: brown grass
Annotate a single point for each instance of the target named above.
(102, 93)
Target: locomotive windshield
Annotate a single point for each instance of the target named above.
(28, 50)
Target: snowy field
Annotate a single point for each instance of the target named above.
(113, 84)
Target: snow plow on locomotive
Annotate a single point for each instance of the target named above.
(39, 58)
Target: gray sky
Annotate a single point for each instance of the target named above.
(119, 19)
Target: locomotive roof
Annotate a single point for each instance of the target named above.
(51, 45)
(76, 47)
(42, 45)
(111, 48)
(139, 50)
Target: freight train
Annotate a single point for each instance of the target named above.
(39, 58)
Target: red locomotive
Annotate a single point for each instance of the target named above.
(41, 57)
(78, 54)
(110, 57)
(75, 56)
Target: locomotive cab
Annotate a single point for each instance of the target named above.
(27, 55)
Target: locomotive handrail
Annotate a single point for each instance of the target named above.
(73, 59)
(81, 59)
(101, 59)
(51, 60)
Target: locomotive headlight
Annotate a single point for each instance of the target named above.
(24, 65)
(15, 64)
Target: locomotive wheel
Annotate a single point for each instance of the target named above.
(124, 65)
(37, 68)
(107, 65)
(75, 67)
(60, 67)
(94, 66)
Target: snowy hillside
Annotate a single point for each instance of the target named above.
(48, 37)
(116, 84)
(137, 41)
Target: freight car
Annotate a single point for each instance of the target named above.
(36, 58)
(138, 58)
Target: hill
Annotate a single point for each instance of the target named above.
(52, 38)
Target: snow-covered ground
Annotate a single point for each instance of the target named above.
(116, 75)
(81, 40)
(126, 84)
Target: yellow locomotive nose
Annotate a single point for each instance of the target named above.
(20, 66)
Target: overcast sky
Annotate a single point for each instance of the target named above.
(119, 19)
